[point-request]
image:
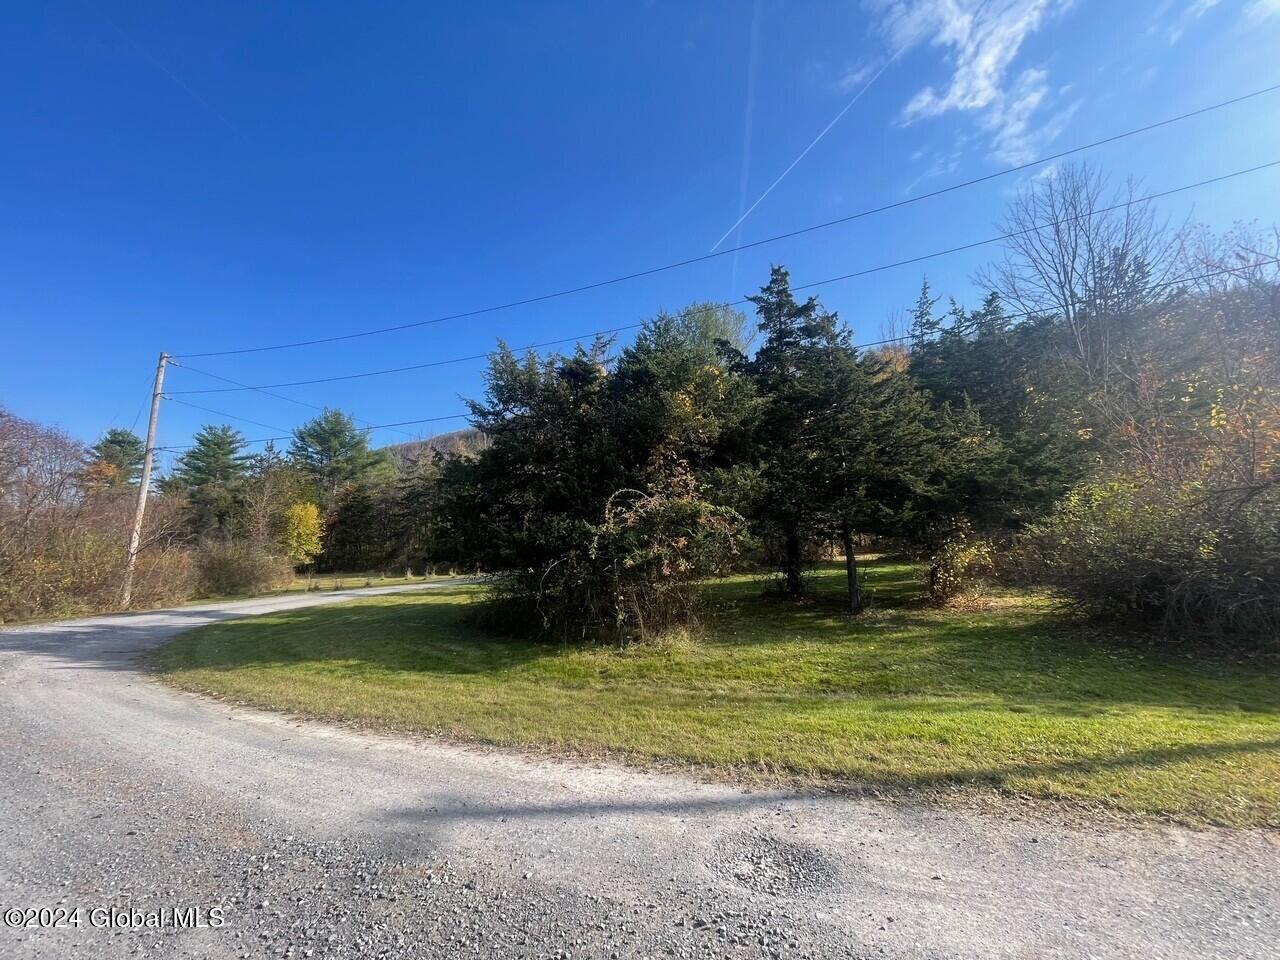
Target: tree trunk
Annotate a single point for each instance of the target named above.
(793, 569)
(851, 570)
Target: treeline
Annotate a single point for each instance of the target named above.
(64, 516)
(222, 521)
(1104, 423)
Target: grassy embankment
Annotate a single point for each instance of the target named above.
(908, 696)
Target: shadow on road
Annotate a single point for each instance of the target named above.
(453, 811)
(1130, 760)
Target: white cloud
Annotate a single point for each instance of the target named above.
(1259, 10)
(981, 39)
(941, 161)
(1010, 117)
(856, 75)
(1176, 17)
(940, 164)
(1192, 12)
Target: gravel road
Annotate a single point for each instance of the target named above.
(317, 841)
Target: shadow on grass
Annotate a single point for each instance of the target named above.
(785, 676)
(1131, 760)
(902, 661)
(430, 632)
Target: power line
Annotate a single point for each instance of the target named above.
(223, 413)
(804, 286)
(138, 416)
(1024, 314)
(1042, 226)
(244, 386)
(237, 383)
(1237, 269)
(419, 366)
(375, 426)
(755, 243)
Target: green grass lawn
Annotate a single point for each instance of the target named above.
(907, 696)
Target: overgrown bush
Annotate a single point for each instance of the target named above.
(1171, 556)
(164, 576)
(635, 575)
(227, 567)
(79, 570)
(64, 527)
(960, 566)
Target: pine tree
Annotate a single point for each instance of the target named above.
(116, 460)
(212, 473)
(846, 443)
(793, 371)
(924, 325)
(881, 454)
(333, 452)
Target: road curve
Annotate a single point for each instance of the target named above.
(318, 841)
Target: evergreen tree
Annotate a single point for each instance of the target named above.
(116, 460)
(1007, 376)
(333, 452)
(587, 495)
(794, 372)
(846, 444)
(212, 473)
(359, 528)
(924, 325)
(880, 457)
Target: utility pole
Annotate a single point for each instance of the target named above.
(135, 538)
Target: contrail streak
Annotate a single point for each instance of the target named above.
(137, 47)
(805, 152)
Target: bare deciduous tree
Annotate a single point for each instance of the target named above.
(1092, 256)
(62, 540)
(40, 469)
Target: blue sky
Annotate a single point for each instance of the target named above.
(191, 177)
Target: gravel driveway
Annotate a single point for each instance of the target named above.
(316, 841)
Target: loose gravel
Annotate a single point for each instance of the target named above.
(766, 864)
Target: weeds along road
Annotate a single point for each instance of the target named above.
(316, 841)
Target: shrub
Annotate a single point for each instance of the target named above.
(1172, 556)
(63, 533)
(163, 577)
(959, 567)
(232, 567)
(78, 571)
(635, 575)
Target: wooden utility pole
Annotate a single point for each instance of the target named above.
(149, 454)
